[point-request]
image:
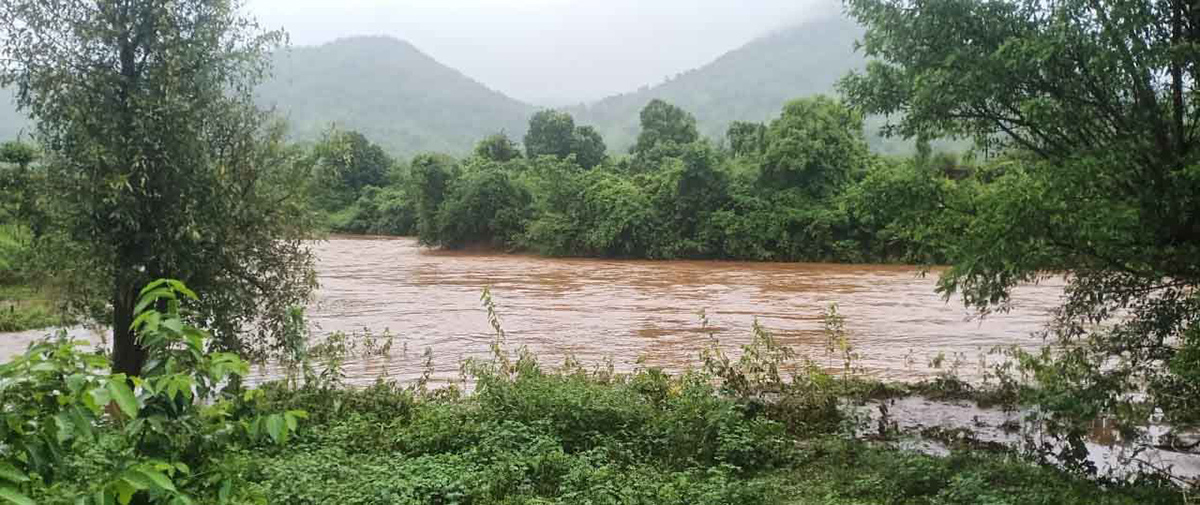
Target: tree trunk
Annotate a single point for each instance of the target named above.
(128, 354)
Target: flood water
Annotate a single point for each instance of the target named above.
(629, 310)
(646, 311)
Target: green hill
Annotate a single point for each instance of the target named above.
(407, 102)
(393, 93)
(750, 83)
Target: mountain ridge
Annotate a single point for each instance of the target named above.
(408, 102)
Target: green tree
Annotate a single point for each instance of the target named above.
(554, 133)
(163, 166)
(15, 183)
(497, 147)
(816, 144)
(18, 153)
(551, 132)
(356, 161)
(1096, 104)
(484, 207)
(430, 179)
(589, 148)
(664, 127)
(746, 138)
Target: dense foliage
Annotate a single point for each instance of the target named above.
(803, 187)
(76, 433)
(158, 164)
(1093, 107)
(27, 294)
(1084, 112)
(579, 437)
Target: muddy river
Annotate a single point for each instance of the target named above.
(629, 310)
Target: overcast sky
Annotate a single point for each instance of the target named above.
(549, 52)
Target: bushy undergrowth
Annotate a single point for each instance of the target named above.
(571, 436)
(736, 431)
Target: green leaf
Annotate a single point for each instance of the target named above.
(159, 479)
(173, 324)
(125, 491)
(123, 395)
(225, 491)
(12, 474)
(10, 495)
(182, 289)
(277, 428)
(97, 399)
(151, 297)
(151, 286)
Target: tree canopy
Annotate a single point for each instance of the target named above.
(815, 144)
(553, 133)
(666, 129)
(1093, 107)
(161, 163)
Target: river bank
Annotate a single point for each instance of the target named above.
(25, 307)
(645, 440)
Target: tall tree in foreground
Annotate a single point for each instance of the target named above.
(164, 166)
(1096, 103)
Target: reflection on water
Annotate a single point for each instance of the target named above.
(625, 310)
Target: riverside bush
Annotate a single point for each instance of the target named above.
(73, 433)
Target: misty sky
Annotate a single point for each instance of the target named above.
(549, 52)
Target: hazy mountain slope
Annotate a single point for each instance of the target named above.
(751, 83)
(393, 93)
(12, 123)
(407, 102)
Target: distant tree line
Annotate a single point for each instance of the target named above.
(803, 187)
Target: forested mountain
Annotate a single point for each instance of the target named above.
(391, 92)
(750, 83)
(407, 102)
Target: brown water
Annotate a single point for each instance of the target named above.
(626, 310)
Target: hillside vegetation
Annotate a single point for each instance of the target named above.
(390, 91)
(747, 84)
(410, 103)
